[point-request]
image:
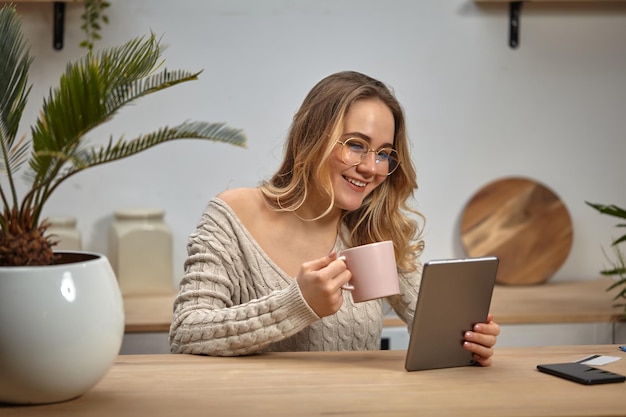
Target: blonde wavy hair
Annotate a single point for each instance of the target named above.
(385, 214)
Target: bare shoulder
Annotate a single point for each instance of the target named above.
(243, 201)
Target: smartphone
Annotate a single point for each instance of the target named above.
(583, 374)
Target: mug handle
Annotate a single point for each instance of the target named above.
(346, 287)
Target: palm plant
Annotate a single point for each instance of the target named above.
(90, 92)
(618, 268)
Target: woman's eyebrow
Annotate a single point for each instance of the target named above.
(366, 138)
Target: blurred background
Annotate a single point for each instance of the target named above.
(553, 109)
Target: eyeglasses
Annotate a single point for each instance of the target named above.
(354, 150)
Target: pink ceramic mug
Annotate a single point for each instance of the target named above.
(374, 271)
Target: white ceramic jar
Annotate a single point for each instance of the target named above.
(63, 230)
(140, 251)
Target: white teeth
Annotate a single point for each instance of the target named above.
(357, 183)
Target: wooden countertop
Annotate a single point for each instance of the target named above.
(149, 313)
(558, 302)
(370, 383)
(553, 302)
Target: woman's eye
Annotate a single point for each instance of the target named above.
(357, 147)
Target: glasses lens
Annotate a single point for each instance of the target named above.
(354, 150)
(387, 160)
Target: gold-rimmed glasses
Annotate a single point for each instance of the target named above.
(354, 150)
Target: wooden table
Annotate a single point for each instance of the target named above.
(372, 383)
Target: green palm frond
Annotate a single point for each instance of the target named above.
(618, 271)
(90, 92)
(618, 263)
(14, 88)
(218, 132)
(611, 210)
(133, 90)
(90, 157)
(619, 240)
(13, 77)
(133, 60)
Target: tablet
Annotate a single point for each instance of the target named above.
(454, 295)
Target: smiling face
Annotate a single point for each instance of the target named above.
(372, 120)
(316, 183)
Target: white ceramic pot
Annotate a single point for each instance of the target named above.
(61, 328)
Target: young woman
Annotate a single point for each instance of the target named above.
(262, 272)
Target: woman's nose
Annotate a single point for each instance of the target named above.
(368, 164)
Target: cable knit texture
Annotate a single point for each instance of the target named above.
(234, 300)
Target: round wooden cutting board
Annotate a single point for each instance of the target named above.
(523, 223)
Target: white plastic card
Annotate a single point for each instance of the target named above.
(598, 360)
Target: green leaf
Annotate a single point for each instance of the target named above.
(619, 240)
(92, 16)
(610, 209)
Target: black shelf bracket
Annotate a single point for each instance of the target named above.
(515, 10)
(58, 18)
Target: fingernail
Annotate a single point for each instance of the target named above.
(341, 258)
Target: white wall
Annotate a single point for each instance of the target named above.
(554, 109)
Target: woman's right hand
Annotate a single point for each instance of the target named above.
(320, 282)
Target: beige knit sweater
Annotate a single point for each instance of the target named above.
(234, 300)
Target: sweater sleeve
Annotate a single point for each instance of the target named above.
(405, 303)
(232, 301)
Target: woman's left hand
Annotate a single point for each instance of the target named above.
(481, 340)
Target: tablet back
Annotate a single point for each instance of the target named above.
(454, 295)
